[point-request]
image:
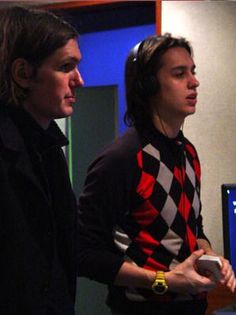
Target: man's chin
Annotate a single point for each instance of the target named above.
(65, 114)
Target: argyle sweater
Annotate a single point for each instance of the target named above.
(141, 203)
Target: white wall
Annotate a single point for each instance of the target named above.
(210, 26)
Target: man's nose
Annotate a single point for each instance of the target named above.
(77, 78)
(193, 81)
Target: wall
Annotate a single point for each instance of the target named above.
(104, 54)
(210, 27)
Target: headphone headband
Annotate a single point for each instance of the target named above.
(146, 85)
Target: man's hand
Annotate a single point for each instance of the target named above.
(185, 279)
(228, 277)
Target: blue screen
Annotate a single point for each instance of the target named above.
(231, 193)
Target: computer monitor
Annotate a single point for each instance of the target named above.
(229, 222)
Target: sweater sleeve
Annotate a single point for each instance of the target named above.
(101, 205)
(201, 234)
(200, 230)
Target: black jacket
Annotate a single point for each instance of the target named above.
(28, 226)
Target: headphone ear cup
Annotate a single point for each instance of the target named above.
(148, 86)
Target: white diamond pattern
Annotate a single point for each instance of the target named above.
(165, 177)
(172, 242)
(190, 173)
(152, 151)
(196, 204)
(169, 211)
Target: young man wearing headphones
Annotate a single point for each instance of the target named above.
(140, 217)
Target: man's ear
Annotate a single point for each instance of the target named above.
(21, 72)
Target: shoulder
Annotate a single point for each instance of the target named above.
(10, 137)
(119, 154)
(192, 156)
(124, 146)
(190, 148)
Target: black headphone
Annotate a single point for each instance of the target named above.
(146, 84)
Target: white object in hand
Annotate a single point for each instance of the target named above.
(210, 264)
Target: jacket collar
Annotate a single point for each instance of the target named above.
(12, 141)
(11, 135)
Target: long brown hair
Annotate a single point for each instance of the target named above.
(142, 65)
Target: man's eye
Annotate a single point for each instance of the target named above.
(67, 67)
(179, 74)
